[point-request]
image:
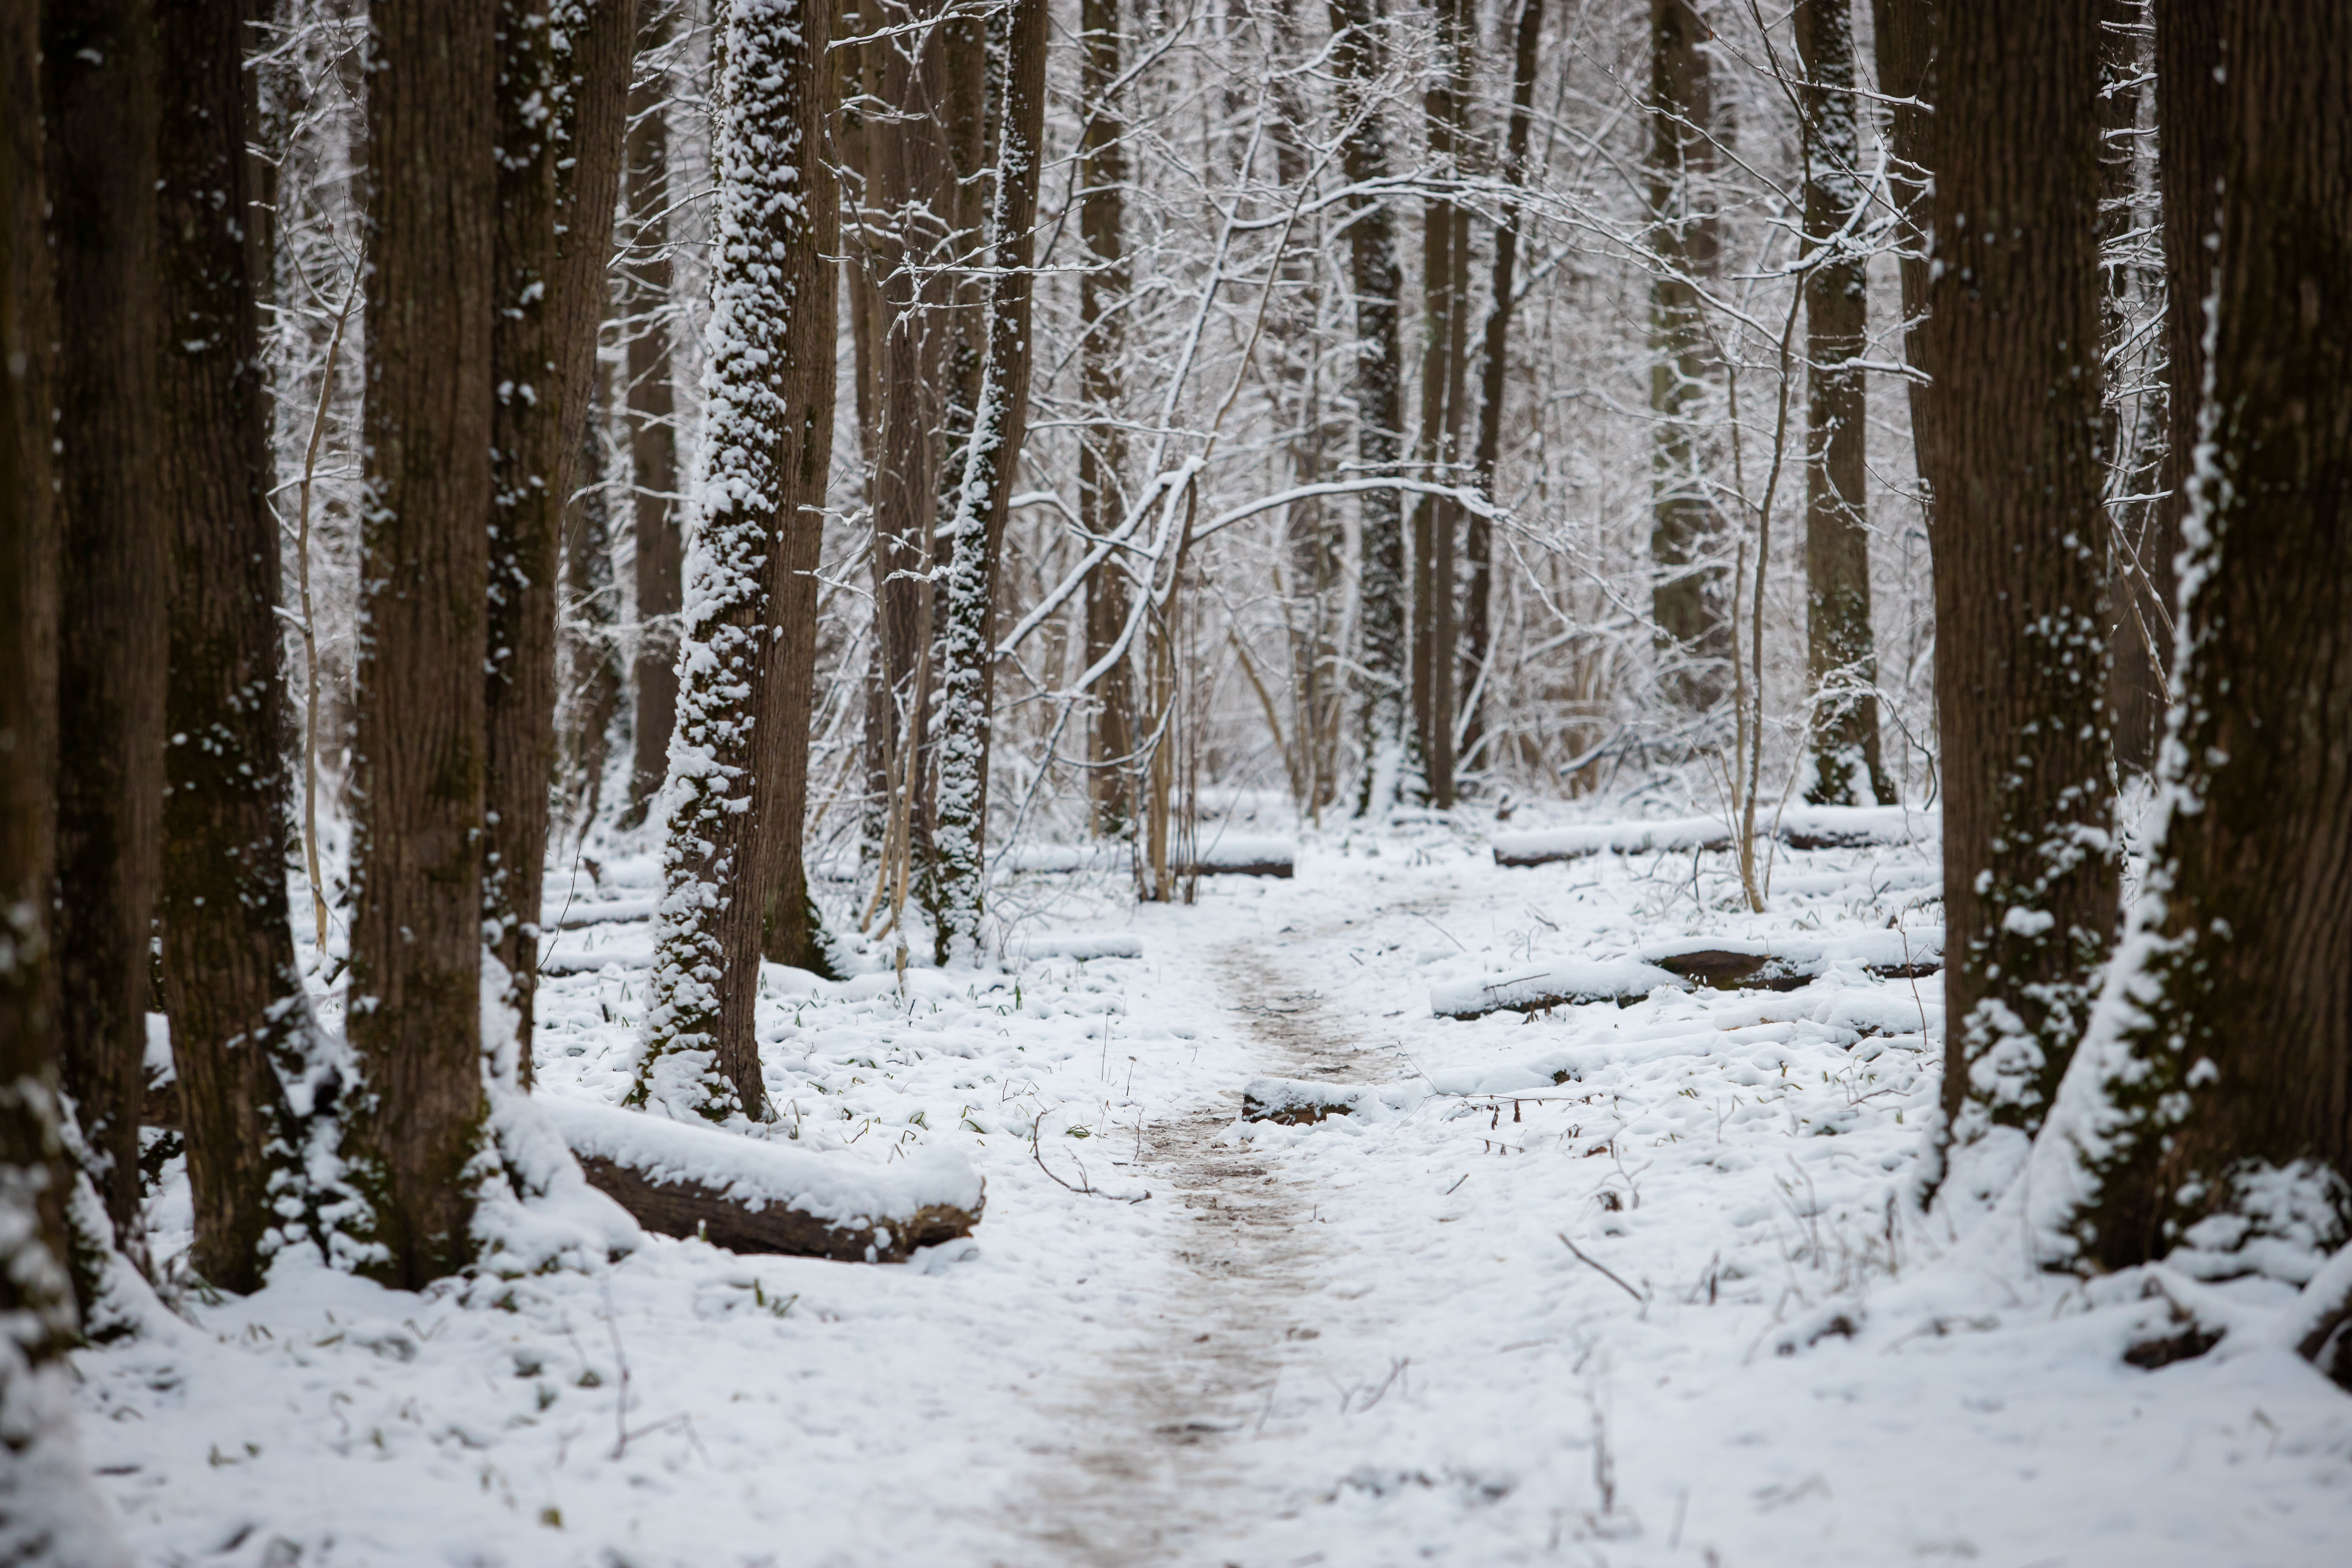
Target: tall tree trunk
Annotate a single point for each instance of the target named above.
(912, 186)
(1000, 419)
(420, 737)
(1841, 655)
(1356, 26)
(2010, 452)
(99, 84)
(1102, 449)
(1443, 111)
(51, 1515)
(1494, 379)
(241, 1025)
(701, 1054)
(558, 174)
(653, 431)
(1904, 33)
(2227, 1057)
(791, 932)
(1690, 601)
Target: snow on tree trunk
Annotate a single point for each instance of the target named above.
(1356, 25)
(1691, 600)
(416, 1112)
(2212, 1106)
(700, 1054)
(977, 529)
(2009, 450)
(244, 1044)
(1841, 655)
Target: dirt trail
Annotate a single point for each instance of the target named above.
(1158, 1469)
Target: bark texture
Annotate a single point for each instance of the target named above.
(420, 733)
(1384, 656)
(241, 1028)
(1444, 251)
(98, 63)
(771, 304)
(1102, 454)
(2010, 451)
(1904, 33)
(1841, 655)
(563, 84)
(49, 1517)
(2230, 1101)
(1691, 601)
(993, 453)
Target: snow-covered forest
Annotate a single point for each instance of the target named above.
(787, 782)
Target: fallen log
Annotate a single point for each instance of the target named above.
(1791, 963)
(1798, 827)
(750, 1196)
(1294, 1103)
(1623, 980)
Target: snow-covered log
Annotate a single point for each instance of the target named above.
(1298, 1103)
(1798, 826)
(1230, 857)
(1789, 963)
(747, 1195)
(1619, 980)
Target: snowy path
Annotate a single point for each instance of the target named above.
(1355, 1343)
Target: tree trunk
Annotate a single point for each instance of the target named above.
(1904, 33)
(1841, 655)
(1691, 600)
(1494, 376)
(1001, 418)
(653, 433)
(1444, 111)
(241, 1025)
(1102, 450)
(768, 435)
(99, 92)
(558, 175)
(2010, 452)
(2229, 1081)
(1356, 26)
(791, 932)
(420, 737)
(50, 1517)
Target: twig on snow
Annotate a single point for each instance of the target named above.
(1586, 1258)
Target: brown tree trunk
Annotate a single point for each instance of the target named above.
(1904, 33)
(652, 434)
(240, 1020)
(99, 92)
(1102, 451)
(993, 454)
(1690, 601)
(1444, 112)
(1385, 653)
(791, 932)
(1494, 376)
(2233, 1079)
(1841, 655)
(419, 739)
(558, 174)
(2010, 451)
(35, 1295)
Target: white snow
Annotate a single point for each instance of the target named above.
(1363, 1341)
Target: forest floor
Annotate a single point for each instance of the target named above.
(1607, 1285)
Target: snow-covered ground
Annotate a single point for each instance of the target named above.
(1614, 1284)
